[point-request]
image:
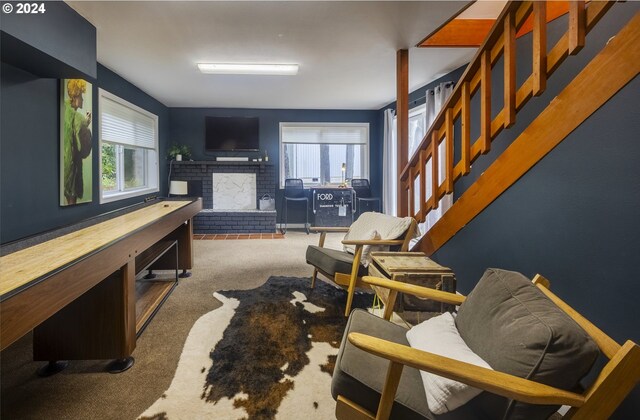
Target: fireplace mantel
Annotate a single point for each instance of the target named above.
(223, 163)
(199, 172)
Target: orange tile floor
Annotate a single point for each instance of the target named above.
(227, 236)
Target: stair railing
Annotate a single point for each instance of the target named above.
(415, 178)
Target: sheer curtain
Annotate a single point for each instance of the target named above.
(389, 165)
(435, 100)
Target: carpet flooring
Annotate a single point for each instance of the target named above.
(85, 391)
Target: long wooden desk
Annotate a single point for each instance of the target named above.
(78, 291)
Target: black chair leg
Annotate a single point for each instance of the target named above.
(286, 203)
(306, 223)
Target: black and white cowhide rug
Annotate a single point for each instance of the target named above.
(266, 353)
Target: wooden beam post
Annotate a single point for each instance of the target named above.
(465, 155)
(485, 101)
(539, 47)
(509, 70)
(412, 192)
(577, 26)
(448, 139)
(402, 113)
(423, 186)
(435, 176)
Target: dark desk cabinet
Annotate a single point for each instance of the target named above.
(332, 206)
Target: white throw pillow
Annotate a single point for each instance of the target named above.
(440, 336)
(387, 227)
(365, 258)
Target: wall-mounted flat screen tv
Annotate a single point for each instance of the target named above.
(231, 134)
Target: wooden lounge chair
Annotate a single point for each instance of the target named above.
(377, 374)
(346, 268)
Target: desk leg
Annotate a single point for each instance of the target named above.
(128, 283)
(184, 235)
(185, 247)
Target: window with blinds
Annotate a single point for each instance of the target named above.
(316, 152)
(128, 149)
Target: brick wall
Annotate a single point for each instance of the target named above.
(203, 170)
(235, 222)
(207, 221)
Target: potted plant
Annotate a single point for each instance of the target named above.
(179, 152)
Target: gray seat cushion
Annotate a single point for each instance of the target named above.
(515, 328)
(332, 261)
(359, 376)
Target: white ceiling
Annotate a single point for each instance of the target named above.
(346, 50)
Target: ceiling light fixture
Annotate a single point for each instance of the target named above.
(249, 68)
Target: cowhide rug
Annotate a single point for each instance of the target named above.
(266, 353)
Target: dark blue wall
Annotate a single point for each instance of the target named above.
(187, 127)
(56, 43)
(29, 151)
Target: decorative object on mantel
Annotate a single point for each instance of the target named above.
(178, 152)
(267, 203)
(178, 188)
(232, 159)
(75, 142)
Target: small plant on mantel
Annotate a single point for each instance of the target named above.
(179, 149)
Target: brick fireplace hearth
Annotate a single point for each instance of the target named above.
(213, 219)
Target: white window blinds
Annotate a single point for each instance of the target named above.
(325, 134)
(126, 125)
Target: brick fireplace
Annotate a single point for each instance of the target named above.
(231, 185)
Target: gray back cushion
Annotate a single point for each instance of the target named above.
(515, 328)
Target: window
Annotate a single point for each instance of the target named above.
(128, 149)
(417, 127)
(315, 152)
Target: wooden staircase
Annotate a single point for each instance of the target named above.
(607, 73)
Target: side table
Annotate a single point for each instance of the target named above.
(413, 268)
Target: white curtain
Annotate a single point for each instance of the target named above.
(435, 100)
(389, 165)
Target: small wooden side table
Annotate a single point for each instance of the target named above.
(413, 268)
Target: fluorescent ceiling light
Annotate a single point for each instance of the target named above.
(248, 68)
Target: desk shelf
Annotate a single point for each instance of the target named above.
(151, 293)
(153, 253)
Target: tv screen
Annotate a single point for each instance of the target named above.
(231, 133)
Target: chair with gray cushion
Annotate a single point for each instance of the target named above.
(539, 348)
(346, 267)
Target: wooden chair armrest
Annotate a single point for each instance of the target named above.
(373, 242)
(419, 291)
(489, 380)
(329, 229)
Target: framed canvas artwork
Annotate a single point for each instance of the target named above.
(75, 142)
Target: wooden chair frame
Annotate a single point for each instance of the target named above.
(599, 401)
(351, 280)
